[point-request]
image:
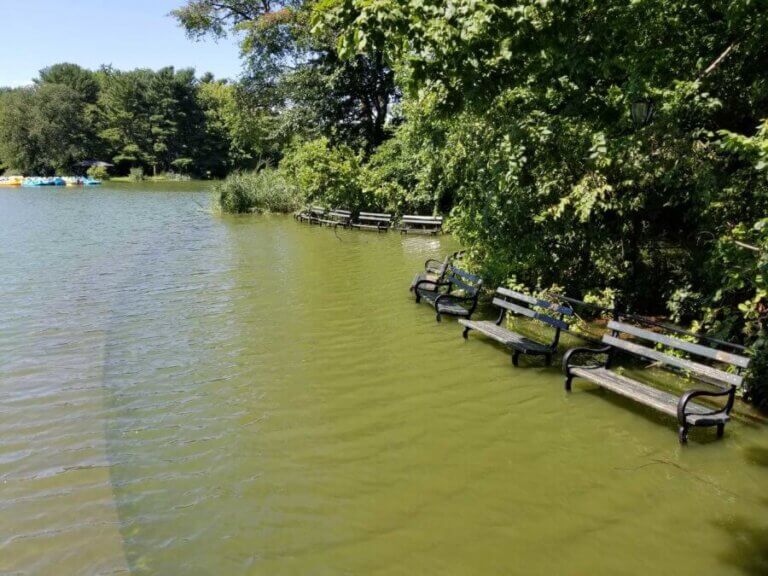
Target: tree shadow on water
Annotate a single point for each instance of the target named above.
(749, 552)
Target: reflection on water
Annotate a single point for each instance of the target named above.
(187, 394)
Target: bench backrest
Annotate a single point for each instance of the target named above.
(317, 210)
(374, 217)
(425, 221)
(463, 280)
(336, 213)
(520, 303)
(702, 371)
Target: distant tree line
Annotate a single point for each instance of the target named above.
(162, 121)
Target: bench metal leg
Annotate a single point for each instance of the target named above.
(548, 359)
(568, 383)
(720, 430)
(439, 318)
(682, 434)
(465, 334)
(516, 359)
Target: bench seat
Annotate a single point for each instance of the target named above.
(448, 304)
(696, 414)
(506, 336)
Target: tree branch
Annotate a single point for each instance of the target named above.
(716, 62)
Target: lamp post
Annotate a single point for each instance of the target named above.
(642, 112)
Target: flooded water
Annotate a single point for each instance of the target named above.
(184, 393)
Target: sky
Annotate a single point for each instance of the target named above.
(124, 33)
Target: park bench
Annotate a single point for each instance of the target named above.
(421, 224)
(312, 214)
(455, 294)
(373, 221)
(336, 217)
(666, 351)
(522, 304)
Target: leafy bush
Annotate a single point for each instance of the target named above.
(98, 173)
(325, 174)
(136, 174)
(265, 190)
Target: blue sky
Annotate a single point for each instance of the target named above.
(125, 33)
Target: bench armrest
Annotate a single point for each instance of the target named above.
(691, 394)
(591, 351)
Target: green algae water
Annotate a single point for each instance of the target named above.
(185, 393)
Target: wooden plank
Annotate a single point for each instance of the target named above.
(369, 226)
(647, 395)
(694, 367)
(464, 274)
(427, 219)
(698, 349)
(505, 336)
(567, 310)
(523, 311)
(466, 287)
(375, 216)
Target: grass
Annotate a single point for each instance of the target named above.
(260, 191)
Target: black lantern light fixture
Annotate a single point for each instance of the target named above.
(642, 112)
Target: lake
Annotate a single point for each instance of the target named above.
(187, 393)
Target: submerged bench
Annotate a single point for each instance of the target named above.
(421, 224)
(373, 221)
(455, 294)
(312, 214)
(687, 412)
(336, 217)
(515, 302)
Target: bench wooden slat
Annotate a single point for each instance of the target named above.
(567, 310)
(699, 350)
(368, 226)
(505, 336)
(375, 216)
(464, 274)
(466, 287)
(657, 399)
(556, 322)
(426, 219)
(695, 367)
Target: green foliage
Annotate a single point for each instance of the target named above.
(325, 174)
(42, 129)
(82, 81)
(136, 174)
(517, 118)
(296, 70)
(98, 173)
(264, 190)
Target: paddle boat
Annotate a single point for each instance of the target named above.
(11, 180)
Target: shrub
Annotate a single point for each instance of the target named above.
(98, 173)
(136, 174)
(264, 190)
(325, 174)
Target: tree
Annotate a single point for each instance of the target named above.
(18, 150)
(297, 72)
(41, 130)
(82, 81)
